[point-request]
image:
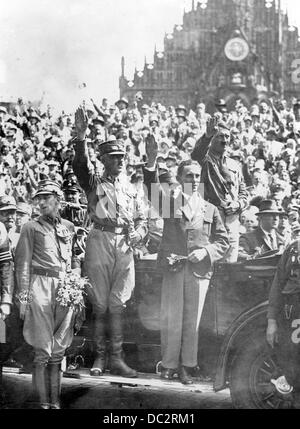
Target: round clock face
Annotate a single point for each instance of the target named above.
(236, 49)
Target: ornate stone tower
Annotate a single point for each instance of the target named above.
(224, 49)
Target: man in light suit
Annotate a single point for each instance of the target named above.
(265, 238)
(194, 230)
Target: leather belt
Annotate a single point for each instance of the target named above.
(119, 230)
(45, 272)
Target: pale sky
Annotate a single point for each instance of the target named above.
(53, 46)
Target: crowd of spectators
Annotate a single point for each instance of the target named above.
(264, 141)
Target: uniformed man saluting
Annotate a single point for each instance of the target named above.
(283, 332)
(119, 224)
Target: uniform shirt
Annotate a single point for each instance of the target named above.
(216, 190)
(43, 244)
(111, 202)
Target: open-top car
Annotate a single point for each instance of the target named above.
(232, 340)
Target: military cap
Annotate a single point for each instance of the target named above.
(48, 187)
(112, 147)
(3, 109)
(7, 203)
(24, 208)
(71, 187)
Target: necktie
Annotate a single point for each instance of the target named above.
(272, 241)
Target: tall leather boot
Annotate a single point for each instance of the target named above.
(117, 364)
(39, 384)
(99, 364)
(55, 375)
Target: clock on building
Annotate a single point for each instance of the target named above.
(236, 49)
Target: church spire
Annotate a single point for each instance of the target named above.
(193, 5)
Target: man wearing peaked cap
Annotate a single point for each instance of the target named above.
(72, 209)
(112, 147)
(23, 216)
(44, 255)
(8, 207)
(119, 224)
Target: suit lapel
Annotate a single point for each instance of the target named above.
(264, 239)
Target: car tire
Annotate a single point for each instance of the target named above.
(252, 369)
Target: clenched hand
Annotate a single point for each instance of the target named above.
(197, 256)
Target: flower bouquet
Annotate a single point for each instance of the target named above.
(71, 291)
(25, 297)
(176, 262)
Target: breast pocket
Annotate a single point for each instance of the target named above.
(207, 225)
(44, 239)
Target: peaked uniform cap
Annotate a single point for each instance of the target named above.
(49, 187)
(112, 147)
(7, 203)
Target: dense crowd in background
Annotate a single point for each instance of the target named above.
(265, 142)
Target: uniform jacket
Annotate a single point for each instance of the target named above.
(109, 203)
(286, 280)
(209, 232)
(43, 245)
(250, 241)
(216, 190)
(6, 274)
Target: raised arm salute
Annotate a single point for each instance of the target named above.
(119, 223)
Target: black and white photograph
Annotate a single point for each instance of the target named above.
(149, 207)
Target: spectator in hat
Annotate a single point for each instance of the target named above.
(48, 326)
(284, 229)
(122, 105)
(265, 238)
(8, 208)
